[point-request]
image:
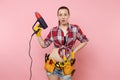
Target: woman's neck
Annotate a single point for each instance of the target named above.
(64, 26)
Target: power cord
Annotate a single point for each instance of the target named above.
(30, 56)
(30, 78)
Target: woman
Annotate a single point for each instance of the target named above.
(58, 63)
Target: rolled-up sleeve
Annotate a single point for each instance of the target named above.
(48, 40)
(80, 36)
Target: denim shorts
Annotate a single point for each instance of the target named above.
(59, 73)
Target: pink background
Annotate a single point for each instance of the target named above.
(99, 20)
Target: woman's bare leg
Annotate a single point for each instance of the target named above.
(53, 77)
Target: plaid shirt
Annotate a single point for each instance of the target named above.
(56, 36)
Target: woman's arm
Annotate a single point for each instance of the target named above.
(80, 46)
(46, 42)
(82, 38)
(41, 41)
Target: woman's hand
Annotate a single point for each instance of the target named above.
(37, 30)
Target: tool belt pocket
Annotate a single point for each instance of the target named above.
(49, 64)
(68, 68)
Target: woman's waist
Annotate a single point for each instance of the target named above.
(58, 56)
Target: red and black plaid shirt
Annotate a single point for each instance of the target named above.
(56, 36)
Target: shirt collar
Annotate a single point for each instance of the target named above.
(69, 26)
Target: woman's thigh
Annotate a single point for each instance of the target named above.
(52, 77)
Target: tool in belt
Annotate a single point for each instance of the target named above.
(67, 66)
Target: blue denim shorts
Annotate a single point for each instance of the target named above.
(59, 73)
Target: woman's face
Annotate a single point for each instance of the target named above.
(63, 16)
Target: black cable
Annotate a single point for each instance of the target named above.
(35, 32)
(30, 56)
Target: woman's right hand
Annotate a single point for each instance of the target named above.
(37, 30)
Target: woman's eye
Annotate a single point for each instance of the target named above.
(60, 14)
(65, 14)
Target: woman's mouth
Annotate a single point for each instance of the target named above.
(63, 20)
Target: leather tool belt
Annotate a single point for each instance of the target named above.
(67, 67)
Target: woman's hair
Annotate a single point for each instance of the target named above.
(63, 7)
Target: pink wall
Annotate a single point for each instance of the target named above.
(99, 19)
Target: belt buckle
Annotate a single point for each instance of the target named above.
(59, 65)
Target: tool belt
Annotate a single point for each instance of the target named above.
(67, 67)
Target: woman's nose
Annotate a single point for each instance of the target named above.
(63, 16)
